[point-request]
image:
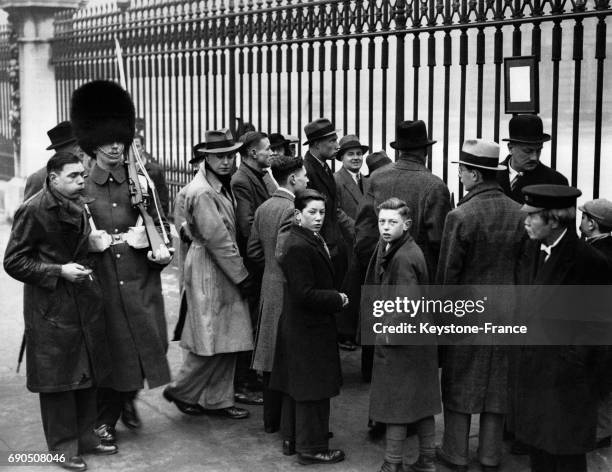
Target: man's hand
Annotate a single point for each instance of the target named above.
(74, 272)
(345, 299)
(162, 255)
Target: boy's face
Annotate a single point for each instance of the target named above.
(392, 225)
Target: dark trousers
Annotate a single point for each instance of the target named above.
(542, 461)
(273, 402)
(69, 419)
(367, 362)
(306, 423)
(110, 403)
(245, 378)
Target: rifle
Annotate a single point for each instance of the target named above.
(135, 170)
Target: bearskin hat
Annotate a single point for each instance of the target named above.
(101, 112)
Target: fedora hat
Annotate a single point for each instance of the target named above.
(219, 142)
(600, 210)
(60, 135)
(318, 129)
(480, 153)
(350, 141)
(197, 152)
(526, 129)
(548, 197)
(277, 140)
(376, 160)
(411, 135)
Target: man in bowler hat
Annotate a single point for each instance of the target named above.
(523, 166)
(410, 180)
(322, 141)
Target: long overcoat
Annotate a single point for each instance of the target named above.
(272, 222)
(481, 246)
(405, 386)
(348, 192)
(250, 191)
(558, 387)
(217, 315)
(64, 322)
(426, 195)
(133, 301)
(306, 361)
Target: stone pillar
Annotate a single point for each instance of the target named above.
(33, 22)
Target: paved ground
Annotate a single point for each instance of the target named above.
(171, 441)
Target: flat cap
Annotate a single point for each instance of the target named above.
(600, 210)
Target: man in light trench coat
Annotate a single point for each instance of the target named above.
(217, 326)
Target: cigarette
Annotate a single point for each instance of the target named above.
(90, 277)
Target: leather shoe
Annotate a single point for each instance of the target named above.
(74, 463)
(103, 450)
(424, 464)
(232, 412)
(249, 398)
(186, 408)
(489, 468)
(106, 433)
(288, 448)
(330, 456)
(129, 415)
(442, 459)
(603, 443)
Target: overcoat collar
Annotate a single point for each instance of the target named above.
(319, 170)
(349, 183)
(100, 176)
(479, 189)
(283, 194)
(384, 257)
(212, 180)
(559, 263)
(309, 237)
(411, 163)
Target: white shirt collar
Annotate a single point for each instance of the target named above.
(513, 173)
(285, 190)
(354, 175)
(548, 249)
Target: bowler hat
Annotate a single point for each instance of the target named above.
(376, 160)
(600, 210)
(318, 129)
(350, 141)
(411, 135)
(526, 129)
(480, 153)
(60, 135)
(549, 197)
(219, 142)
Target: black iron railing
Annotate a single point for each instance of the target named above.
(197, 65)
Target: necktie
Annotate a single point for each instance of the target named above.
(360, 183)
(322, 241)
(328, 171)
(514, 181)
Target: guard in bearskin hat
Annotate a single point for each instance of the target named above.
(102, 116)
